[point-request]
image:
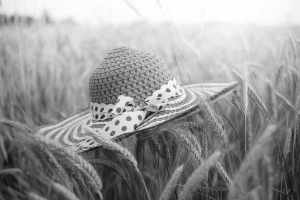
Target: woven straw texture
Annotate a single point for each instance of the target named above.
(129, 72)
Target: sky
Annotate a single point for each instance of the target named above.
(93, 12)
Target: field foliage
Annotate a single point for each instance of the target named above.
(243, 146)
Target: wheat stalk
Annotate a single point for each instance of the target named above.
(245, 89)
(297, 124)
(197, 176)
(79, 162)
(267, 179)
(172, 184)
(271, 101)
(249, 133)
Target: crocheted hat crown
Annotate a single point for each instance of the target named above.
(127, 72)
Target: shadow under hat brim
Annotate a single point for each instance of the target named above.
(69, 131)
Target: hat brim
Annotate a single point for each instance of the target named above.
(70, 131)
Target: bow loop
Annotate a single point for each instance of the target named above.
(124, 104)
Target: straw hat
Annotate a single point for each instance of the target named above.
(130, 91)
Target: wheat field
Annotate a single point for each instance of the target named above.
(242, 146)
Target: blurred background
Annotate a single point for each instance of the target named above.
(49, 47)
(96, 12)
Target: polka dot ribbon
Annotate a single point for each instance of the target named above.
(126, 116)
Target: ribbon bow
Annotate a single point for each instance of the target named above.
(126, 116)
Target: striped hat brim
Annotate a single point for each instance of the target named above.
(71, 131)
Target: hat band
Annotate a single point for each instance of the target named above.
(126, 116)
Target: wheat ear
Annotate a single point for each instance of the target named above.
(111, 165)
(294, 71)
(123, 152)
(204, 144)
(255, 98)
(222, 93)
(174, 149)
(250, 91)
(232, 68)
(16, 124)
(237, 189)
(216, 126)
(60, 170)
(34, 196)
(224, 175)
(237, 101)
(189, 145)
(79, 162)
(77, 176)
(253, 194)
(278, 74)
(112, 146)
(139, 152)
(164, 151)
(286, 103)
(172, 184)
(197, 176)
(287, 145)
(67, 194)
(153, 146)
(2, 198)
(204, 152)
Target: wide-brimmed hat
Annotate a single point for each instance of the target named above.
(130, 91)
